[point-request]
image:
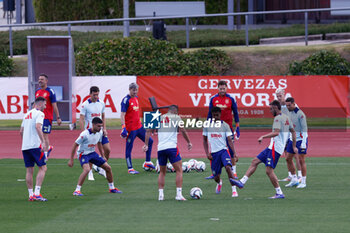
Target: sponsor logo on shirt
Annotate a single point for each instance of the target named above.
(95, 114)
(221, 106)
(214, 135)
(91, 145)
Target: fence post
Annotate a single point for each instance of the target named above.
(306, 29)
(187, 33)
(10, 38)
(246, 31)
(230, 19)
(126, 23)
(69, 29)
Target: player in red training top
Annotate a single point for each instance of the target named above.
(51, 105)
(132, 127)
(228, 107)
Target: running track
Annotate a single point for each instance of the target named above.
(321, 144)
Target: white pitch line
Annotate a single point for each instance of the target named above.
(239, 163)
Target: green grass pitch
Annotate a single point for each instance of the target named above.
(324, 206)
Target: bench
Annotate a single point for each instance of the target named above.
(159, 9)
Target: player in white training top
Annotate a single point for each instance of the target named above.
(281, 97)
(298, 120)
(86, 144)
(217, 137)
(167, 149)
(91, 108)
(34, 147)
(279, 136)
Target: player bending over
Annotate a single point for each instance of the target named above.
(132, 127)
(167, 149)
(86, 143)
(34, 147)
(298, 119)
(279, 136)
(217, 138)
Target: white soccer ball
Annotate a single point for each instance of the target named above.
(186, 167)
(170, 167)
(200, 166)
(146, 168)
(192, 163)
(196, 193)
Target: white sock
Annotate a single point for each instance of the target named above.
(234, 189)
(299, 173)
(289, 174)
(30, 191)
(111, 185)
(178, 191)
(220, 183)
(279, 190)
(78, 188)
(303, 179)
(244, 179)
(90, 173)
(37, 190)
(161, 192)
(294, 177)
(233, 169)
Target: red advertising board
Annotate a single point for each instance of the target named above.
(317, 96)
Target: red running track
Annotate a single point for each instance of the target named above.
(321, 144)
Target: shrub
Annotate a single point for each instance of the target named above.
(206, 61)
(6, 65)
(146, 56)
(321, 63)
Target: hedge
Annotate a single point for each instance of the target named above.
(321, 63)
(146, 56)
(6, 65)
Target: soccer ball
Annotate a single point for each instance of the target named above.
(147, 168)
(192, 163)
(170, 167)
(196, 193)
(186, 167)
(200, 166)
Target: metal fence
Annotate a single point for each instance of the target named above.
(126, 22)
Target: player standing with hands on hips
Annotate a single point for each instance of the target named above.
(34, 147)
(298, 119)
(132, 127)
